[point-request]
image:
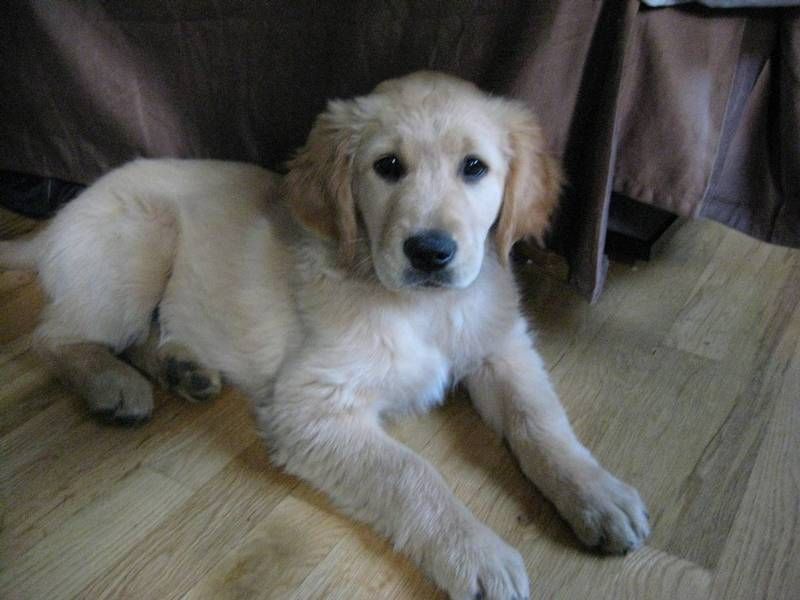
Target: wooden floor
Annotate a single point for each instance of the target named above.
(684, 380)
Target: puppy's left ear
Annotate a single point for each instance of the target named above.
(319, 182)
(533, 182)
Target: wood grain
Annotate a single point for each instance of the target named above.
(275, 557)
(87, 543)
(760, 558)
(169, 561)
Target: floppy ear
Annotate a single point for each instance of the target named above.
(318, 184)
(532, 186)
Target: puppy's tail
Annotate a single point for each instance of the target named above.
(22, 253)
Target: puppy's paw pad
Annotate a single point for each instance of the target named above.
(190, 380)
(609, 516)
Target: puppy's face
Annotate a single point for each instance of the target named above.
(428, 182)
(420, 171)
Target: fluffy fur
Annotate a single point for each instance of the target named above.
(297, 291)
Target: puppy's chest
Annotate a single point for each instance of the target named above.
(423, 356)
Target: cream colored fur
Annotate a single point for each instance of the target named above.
(293, 289)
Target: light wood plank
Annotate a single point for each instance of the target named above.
(279, 553)
(26, 389)
(196, 454)
(743, 404)
(710, 321)
(760, 559)
(647, 574)
(360, 567)
(19, 307)
(169, 561)
(93, 539)
(61, 460)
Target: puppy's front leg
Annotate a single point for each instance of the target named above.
(321, 434)
(513, 393)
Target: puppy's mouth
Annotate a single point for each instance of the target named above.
(420, 279)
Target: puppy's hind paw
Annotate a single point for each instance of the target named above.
(120, 399)
(190, 380)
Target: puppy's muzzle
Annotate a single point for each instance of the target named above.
(430, 251)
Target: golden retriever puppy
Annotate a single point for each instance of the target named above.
(358, 287)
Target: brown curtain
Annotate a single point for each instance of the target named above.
(689, 109)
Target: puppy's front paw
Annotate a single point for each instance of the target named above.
(606, 513)
(478, 565)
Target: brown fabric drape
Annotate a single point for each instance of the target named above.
(717, 92)
(689, 109)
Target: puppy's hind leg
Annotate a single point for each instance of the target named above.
(104, 267)
(174, 366)
(113, 390)
(84, 355)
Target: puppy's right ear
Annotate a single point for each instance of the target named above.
(319, 182)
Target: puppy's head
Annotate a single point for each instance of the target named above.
(424, 170)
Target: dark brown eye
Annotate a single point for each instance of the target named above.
(473, 168)
(389, 168)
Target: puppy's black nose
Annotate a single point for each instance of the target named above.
(430, 250)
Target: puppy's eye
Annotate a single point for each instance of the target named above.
(389, 168)
(473, 168)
